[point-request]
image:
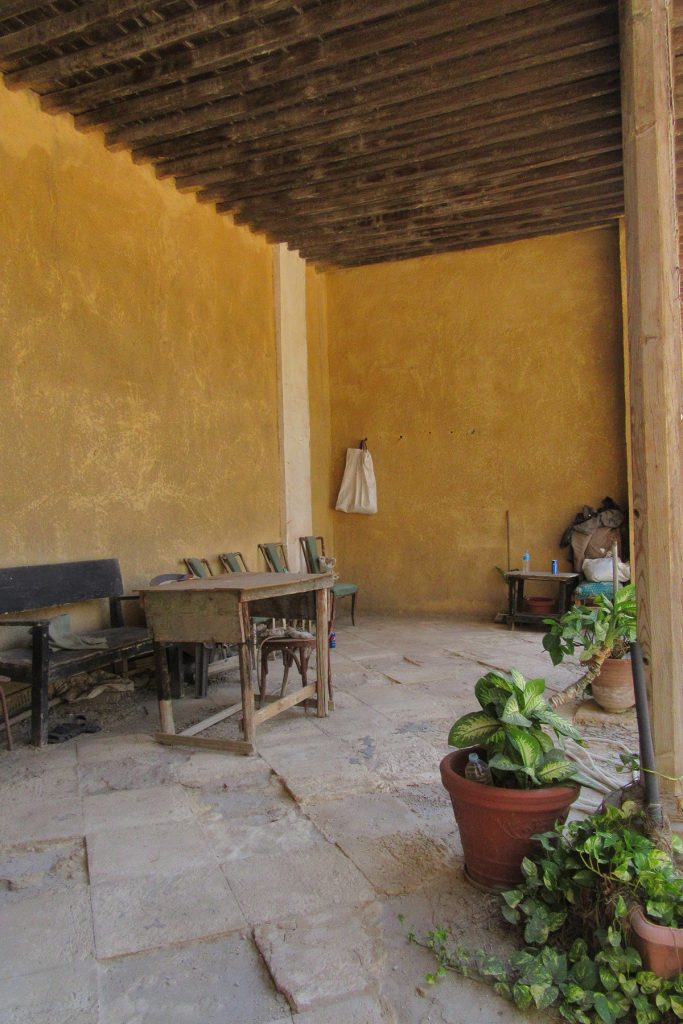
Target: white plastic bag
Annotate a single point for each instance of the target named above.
(358, 491)
(600, 570)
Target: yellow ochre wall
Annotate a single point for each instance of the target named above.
(139, 405)
(485, 380)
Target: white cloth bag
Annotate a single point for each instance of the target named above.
(358, 491)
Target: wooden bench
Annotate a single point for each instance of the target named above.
(36, 587)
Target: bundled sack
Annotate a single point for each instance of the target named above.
(601, 570)
(358, 491)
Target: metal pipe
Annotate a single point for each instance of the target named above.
(647, 751)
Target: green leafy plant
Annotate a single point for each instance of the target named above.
(603, 630)
(572, 911)
(510, 728)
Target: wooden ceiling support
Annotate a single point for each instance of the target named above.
(357, 129)
(656, 373)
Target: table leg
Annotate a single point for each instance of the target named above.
(322, 615)
(246, 684)
(166, 722)
(511, 603)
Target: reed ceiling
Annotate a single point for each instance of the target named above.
(355, 131)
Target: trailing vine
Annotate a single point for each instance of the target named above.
(572, 912)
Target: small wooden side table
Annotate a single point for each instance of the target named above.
(566, 582)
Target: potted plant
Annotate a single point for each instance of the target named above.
(603, 632)
(582, 951)
(533, 782)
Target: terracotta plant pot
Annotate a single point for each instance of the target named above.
(613, 688)
(496, 824)
(660, 947)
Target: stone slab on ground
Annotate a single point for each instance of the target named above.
(48, 930)
(66, 994)
(31, 819)
(364, 1009)
(136, 808)
(590, 713)
(149, 912)
(222, 981)
(34, 868)
(324, 957)
(300, 882)
(159, 849)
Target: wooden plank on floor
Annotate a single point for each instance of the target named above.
(206, 723)
(263, 714)
(236, 746)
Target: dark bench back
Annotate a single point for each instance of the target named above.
(41, 586)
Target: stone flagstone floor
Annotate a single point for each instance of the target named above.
(141, 884)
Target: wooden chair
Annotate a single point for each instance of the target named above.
(295, 651)
(233, 561)
(198, 567)
(275, 557)
(313, 550)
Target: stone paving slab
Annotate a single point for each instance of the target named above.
(119, 854)
(367, 814)
(217, 982)
(149, 912)
(300, 882)
(66, 994)
(26, 819)
(43, 931)
(34, 868)
(321, 958)
(364, 1009)
(136, 808)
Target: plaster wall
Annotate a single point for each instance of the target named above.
(486, 381)
(139, 410)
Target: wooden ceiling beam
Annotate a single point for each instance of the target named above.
(386, 49)
(214, 164)
(381, 234)
(451, 146)
(563, 174)
(62, 28)
(455, 243)
(455, 71)
(493, 90)
(417, 189)
(16, 8)
(296, 25)
(180, 29)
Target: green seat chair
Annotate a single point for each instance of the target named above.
(233, 561)
(198, 567)
(313, 550)
(275, 557)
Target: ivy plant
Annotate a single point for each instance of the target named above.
(511, 729)
(572, 913)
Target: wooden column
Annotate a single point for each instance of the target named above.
(654, 340)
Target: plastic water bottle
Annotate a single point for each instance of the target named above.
(333, 639)
(526, 562)
(477, 770)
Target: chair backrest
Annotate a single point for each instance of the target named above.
(167, 577)
(233, 561)
(275, 556)
(198, 567)
(309, 546)
(23, 587)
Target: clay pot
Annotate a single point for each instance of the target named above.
(496, 824)
(540, 605)
(660, 947)
(613, 688)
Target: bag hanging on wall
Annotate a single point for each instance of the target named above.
(358, 491)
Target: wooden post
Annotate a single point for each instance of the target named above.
(166, 722)
(246, 686)
(656, 376)
(322, 616)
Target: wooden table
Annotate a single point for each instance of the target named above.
(516, 580)
(217, 610)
